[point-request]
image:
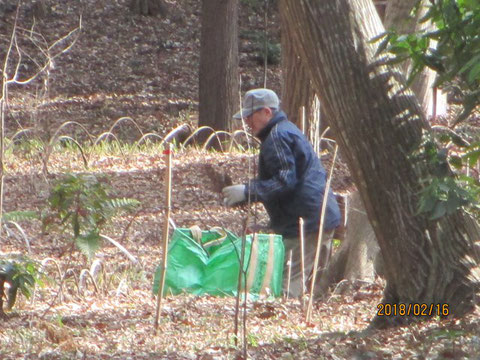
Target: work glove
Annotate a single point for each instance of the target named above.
(233, 194)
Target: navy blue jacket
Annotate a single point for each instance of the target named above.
(291, 180)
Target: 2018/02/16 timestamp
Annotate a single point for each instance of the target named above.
(412, 309)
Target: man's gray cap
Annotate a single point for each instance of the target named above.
(257, 99)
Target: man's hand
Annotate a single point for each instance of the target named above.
(233, 194)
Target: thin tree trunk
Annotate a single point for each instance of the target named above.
(149, 7)
(398, 15)
(378, 128)
(218, 82)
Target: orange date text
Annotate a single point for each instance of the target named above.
(412, 309)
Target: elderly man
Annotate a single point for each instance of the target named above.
(290, 183)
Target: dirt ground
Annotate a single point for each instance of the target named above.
(125, 65)
(116, 321)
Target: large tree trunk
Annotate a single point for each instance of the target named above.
(359, 252)
(218, 83)
(378, 128)
(299, 100)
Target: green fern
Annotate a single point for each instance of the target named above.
(123, 204)
(89, 243)
(82, 204)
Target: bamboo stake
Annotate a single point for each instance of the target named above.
(320, 236)
(289, 273)
(302, 255)
(242, 284)
(302, 119)
(168, 189)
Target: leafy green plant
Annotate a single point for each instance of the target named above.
(456, 56)
(444, 196)
(20, 274)
(452, 50)
(258, 41)
(447, 189)
(82, 205)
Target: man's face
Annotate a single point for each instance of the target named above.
(258, 120)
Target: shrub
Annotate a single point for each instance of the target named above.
(19, 273)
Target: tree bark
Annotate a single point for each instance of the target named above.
(379, 127)
(40, 9)
(149, 7)
(298, 95)
(360, 244)
(398, 15)
(358, 257)
(2, 290)
(218, 83)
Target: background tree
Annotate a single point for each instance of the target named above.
(297, 87)
(380, 128)
(149, 7)
(218, 83)
(452, 50)
(401, 17)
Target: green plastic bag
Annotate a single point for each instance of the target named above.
(210, 264)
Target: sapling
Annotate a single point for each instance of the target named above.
(82, 206)
(19, 273)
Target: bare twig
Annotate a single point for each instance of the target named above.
(79, 147)
(215, 135)
(240, 285)
(82, 279)
(3, 107)
(25, 238)
(47, 53)
(59, 271)
(123, 119)
(265, 35)
(151, 134)
(53, 140)
(243, 270)
(320, 236)
(195, 133)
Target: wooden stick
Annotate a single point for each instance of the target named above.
(320, 235)
(289, 276)
(242, 276)
(302, 255)
(301, 112)
(168, 181)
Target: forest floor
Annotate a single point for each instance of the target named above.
(125, 65)
(116, 321)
